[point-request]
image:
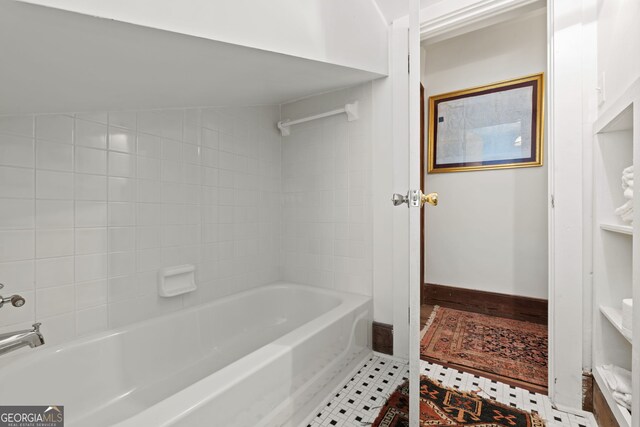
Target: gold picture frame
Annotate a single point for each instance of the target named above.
(495, 126)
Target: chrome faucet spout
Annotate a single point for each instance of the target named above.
(14, 340)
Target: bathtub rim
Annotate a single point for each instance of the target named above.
(198, 394)
(346, 303)
(32, 355)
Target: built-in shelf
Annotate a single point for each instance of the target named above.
(615, 259)
(619, 115)
(623, 416)
(614, 316)
(617, 228)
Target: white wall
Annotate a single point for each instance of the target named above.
(618, 46)
(92, 205)
(351, 33)
(326, 177)
(489, 231)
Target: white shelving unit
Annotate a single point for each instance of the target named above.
(616, 270)
(614, 315)
(617, 228)
(622, 415)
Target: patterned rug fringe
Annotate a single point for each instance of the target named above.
(429, 321)
(394, 413)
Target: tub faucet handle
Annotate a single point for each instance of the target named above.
(15, 300)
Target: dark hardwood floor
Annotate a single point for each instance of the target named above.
(425, 312)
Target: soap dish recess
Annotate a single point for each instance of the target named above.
(178, 280)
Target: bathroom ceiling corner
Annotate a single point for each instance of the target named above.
(394, 9)
(66, 61)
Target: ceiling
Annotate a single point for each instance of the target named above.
(394, 9)
(56, 61)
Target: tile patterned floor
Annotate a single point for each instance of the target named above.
(358, 402)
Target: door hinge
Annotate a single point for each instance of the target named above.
(553, 202)
(409, 64)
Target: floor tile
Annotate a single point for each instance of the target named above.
(358, 402)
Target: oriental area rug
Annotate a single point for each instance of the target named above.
(507, 350)
(441, 406)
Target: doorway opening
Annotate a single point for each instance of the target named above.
(484, 281)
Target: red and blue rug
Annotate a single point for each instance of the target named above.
(442, 406)
(510, 351)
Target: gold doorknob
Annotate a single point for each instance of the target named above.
(431, 198)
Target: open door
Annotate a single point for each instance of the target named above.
(409, 199)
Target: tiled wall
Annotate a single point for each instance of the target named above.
(92, 205)
(327, 214)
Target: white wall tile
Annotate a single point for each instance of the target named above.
(90, 267)
(57, 329)
(123, 119)
(90, 134)
(92, 320)
(91, 214)
(149, 237)
(17, 245)
(55, 127)
(17, 182)
(122, 287)
(101, 117)
(172, 171)
(122, 263)
(148, 168)
(17, 125)
(122, 214)
(54, 156)
(149, 145)
(17, 275)
(328, 239)
(122, 189)
(149, 191)
(91, 294)
(122, 140)
(210, 139)
(170, 123)
(191, 153)
(17, 213)
(191, 126)
(54, 213)
(92, 161)
(171, 150)
(55, 301)
(121, 164)
(16, 151)
(54, 242)
(89, 227)
(90, 187)
(91, 240)
(149, 260)
(122, 239)
(54, 271)
(54, 185)
(149, 214)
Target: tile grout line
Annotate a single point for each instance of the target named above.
(341, 409)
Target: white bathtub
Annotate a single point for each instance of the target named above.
(265, 357)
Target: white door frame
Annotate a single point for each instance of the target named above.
(570, 84)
